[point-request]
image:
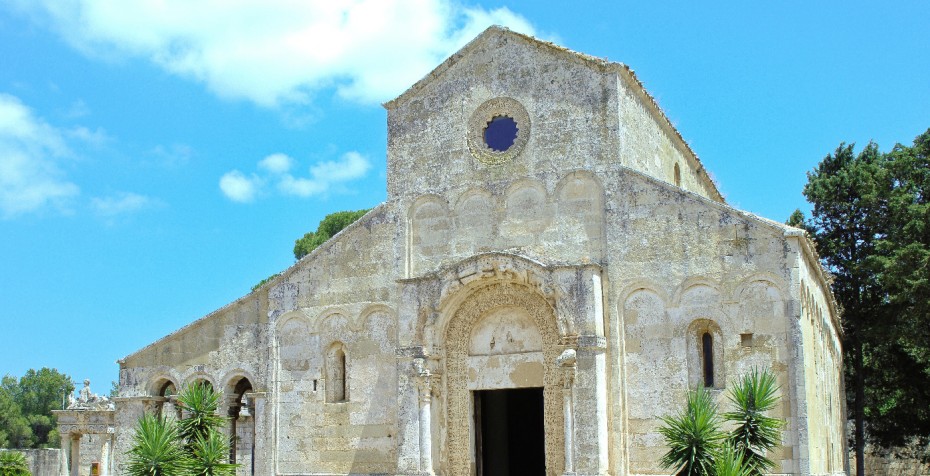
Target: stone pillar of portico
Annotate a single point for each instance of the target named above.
(76, 454)
(64, 454)
(105, 455)
(261, 460)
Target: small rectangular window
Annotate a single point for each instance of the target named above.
(745, 340)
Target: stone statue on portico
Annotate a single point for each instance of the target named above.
(88, 400)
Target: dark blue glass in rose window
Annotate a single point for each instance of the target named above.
(500, 133)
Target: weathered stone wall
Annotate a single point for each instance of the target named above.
(220, 348)
(339, 298)
(683, 266)
(821, 411)
(41, 462)
(584, 113)
(647, 142)
(881, 463)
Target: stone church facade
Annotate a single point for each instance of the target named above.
(552, 270)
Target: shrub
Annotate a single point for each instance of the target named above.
(13, 463)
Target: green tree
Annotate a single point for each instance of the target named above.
(796, 219)
(693, 436)
(755, 432)
(870, 222)
(26, 405)
(40, 392)
(14, 428)
(849, 196)
(328, 227)
(898, 389)
(13, 463)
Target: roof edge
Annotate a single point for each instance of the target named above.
(260, 293)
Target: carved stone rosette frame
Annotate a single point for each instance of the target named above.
(501, 106)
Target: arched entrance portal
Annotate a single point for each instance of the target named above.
(504, 399)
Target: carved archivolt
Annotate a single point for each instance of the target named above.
(456, 283)
(478, 304)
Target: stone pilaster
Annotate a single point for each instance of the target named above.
(567, 362)
(408, 395)
(590, 407)
(425, 398)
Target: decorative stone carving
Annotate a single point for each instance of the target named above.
(497, 107)
(458, 398)
(88, 400)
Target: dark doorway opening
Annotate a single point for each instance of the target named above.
(509, 432)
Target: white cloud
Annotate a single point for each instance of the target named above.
(120, 204)
(351, 166)
(301, 187)
(174, 155)
(324, 177)
(96, 138)
(239, 188)
(276, 163)
(30, 149)
(278, 51)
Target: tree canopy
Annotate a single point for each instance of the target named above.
(328, 227)
(871, 223)
(26, 405)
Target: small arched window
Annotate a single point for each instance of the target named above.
(677, 175)
(336, 375)
(707, 352)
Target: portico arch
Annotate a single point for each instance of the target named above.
(518, 309)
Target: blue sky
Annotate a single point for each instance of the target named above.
(157, 159)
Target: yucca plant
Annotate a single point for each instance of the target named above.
(192, 446)
(755, 433)
(729, 462)
(209, 456)
(693, 436)
(13, 463)
(199, 403)
(157, 449)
